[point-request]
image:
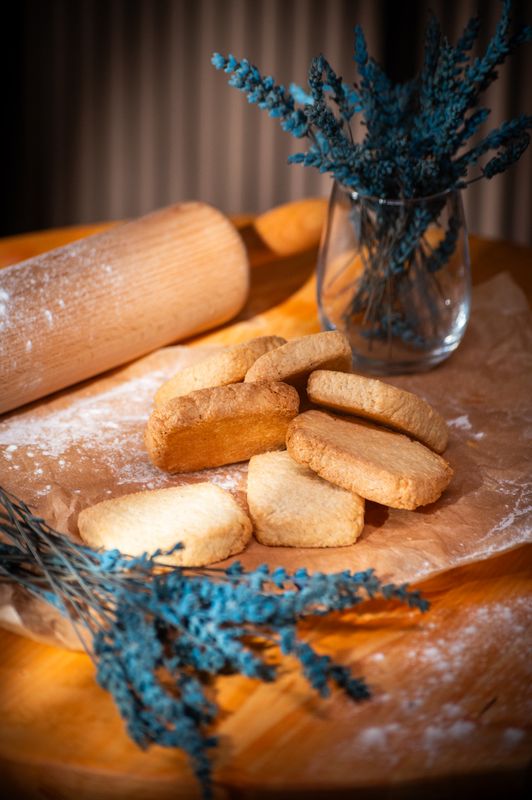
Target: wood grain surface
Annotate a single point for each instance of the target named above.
(102, 301)
(451, 707)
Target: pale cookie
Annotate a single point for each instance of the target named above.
(295, 360)
(375, 463)
(221, 425)
(220, 369)
(291, 506)
(381, 402)
(204, 518)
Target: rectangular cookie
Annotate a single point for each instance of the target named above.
(294, 361)
(220, 425)
(380, 402)
(291, 506)
(378, 464)
(220, 369)
(206, 519)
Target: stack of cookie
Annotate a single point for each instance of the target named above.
(381, 444)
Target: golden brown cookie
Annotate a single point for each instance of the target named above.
(219, 369)
(380, 402)
(295, 360)
(378, 464)
(220, 425)
(206, 519)
(291, 506)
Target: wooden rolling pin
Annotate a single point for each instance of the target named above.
(82, 309)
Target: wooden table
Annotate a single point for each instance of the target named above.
(451, 707)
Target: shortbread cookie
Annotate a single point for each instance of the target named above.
(291, 506)
(220, 369)
(376, 463)
(204, 518)
(295, 360)
(221, 425)
(381, 402)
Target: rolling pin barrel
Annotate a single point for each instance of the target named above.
(74, 312)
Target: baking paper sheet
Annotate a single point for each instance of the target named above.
(86, 444)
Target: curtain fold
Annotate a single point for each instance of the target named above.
(122, 111)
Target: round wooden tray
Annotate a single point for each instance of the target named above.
(449, 709)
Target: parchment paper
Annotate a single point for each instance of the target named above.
(86, 444)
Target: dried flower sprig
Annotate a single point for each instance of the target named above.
(158, 634)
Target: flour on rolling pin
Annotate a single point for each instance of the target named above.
(75, 312)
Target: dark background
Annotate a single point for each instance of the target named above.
(111, 107)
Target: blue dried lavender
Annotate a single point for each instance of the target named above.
(408, 126)
(158, 635)
(414, 147)
(264, 92)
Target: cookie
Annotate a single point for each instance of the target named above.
(291, 506)
(220, 425)
(376, 463)
(295, 360)
(220, 369)
(204, 518)
(380, 402)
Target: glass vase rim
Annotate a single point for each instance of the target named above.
(384, 201)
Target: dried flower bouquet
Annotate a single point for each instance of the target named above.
(417, 144)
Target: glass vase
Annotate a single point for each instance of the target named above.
(394, 276)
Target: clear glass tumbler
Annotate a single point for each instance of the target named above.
(394, 276)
